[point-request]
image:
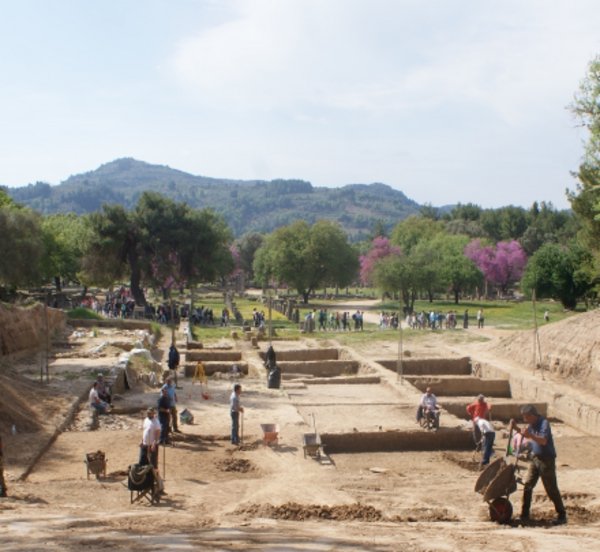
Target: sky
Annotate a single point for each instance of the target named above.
(447, 101)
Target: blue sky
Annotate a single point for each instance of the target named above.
(446, 100)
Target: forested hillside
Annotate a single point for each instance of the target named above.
(260, 206)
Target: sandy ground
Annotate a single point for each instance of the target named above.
(257, 497)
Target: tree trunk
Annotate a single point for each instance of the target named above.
(135, 280)
(57, 283)
(456, 294)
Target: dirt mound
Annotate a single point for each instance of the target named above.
(568, 349)
(299, 512)
(30, 328)
(240, 465)
(18, 395)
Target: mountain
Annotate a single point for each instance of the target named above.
(246, 205)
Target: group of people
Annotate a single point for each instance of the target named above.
(536, 435)
(335, 321)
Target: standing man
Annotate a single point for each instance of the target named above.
(164, 415)
(235, 408)
(150, 440)
(480, 318)
(478, 409)
(172, 394)
(489, 435)
(466, 319)
(543, 463)
(173, 361)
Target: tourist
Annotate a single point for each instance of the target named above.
(480, 318)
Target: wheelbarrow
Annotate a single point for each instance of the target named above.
(311, 442)
(270, 434)
(496, 483)
(95, 463)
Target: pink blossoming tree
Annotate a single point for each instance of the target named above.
(502, 265)
(380, 249)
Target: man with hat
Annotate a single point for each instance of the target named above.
(543, 463)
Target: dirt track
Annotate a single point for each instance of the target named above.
(273, 498)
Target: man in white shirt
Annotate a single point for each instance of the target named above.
(488, 436)
(95, 401)
(429, 403)
(150, 440)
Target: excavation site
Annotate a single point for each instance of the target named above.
(331, 455)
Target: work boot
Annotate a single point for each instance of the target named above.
(561, 519)
(523, 519)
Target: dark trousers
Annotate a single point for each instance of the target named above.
(174, 418)
(165, 420)
(488, 447)
(546, 469)
(147, 454)
(235, 428)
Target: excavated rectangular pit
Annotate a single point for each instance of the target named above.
(397, 441)
(502, 409)
(322, 368)
(430, 367)
(461, 385)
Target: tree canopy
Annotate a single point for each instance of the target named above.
(160, 244)
(307, 257)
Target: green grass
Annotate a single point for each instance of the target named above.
(512, 315)
(509, 315)
(83, 313)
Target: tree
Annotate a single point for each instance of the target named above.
(457, 272)
(380, 248)
(428, 261)
(21, 246)
(410, 231)
(64, 237)
(160, 243)
(306, 257)
(247, 247)
(397, 274)
(113, 251)
(585, 200)
(501, 265)
(559, 272)
(505, 223)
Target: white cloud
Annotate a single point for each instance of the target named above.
(511, 57)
